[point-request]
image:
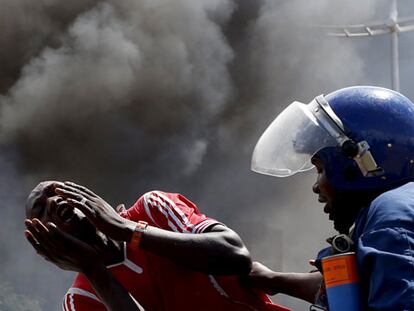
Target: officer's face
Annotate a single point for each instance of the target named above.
(326, 193)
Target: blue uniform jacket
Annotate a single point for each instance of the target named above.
(384, 240)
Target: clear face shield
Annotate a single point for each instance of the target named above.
(298, 133)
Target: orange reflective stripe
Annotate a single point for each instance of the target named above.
(339, 270)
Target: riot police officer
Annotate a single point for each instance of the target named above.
(361, 141)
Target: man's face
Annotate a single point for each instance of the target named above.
(44, 204)
(326, 193)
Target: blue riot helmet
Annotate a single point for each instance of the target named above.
(364, 136)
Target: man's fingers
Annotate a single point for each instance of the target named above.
(77, 200)
(41, 251)
(29, 236)
(73, 193)
(40, 233)
(51, 241)
(34, 230)
(50, 245)
(83, 206)
(81, 188)
(55, 231)
(65, 238)
(51, 187)
(87, 194)
(37, 246)
(61, 236)
(41, 230)
(39, 225)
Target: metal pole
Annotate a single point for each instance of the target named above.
(395, 66)
(392, 26)
(395, 62)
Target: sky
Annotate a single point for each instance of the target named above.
(129, 96)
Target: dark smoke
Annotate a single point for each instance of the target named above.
(28, 27)
(131, 95)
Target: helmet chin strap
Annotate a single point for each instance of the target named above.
(358, 151)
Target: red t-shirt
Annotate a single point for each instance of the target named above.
(158, 283)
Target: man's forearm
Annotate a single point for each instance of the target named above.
(216, 252)
(112, 294)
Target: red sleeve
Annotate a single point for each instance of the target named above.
(77, 299)
(169, 211)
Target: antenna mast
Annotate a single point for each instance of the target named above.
(393, 26)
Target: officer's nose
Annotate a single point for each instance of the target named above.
(315, 188)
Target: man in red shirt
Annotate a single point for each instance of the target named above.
(161, 254)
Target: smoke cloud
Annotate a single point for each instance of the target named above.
(131, 95)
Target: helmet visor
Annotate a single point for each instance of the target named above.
(288, 144)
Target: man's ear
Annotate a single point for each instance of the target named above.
(120, 208)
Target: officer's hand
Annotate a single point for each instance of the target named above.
(98, 211)
(262, 278)
(59, 247)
